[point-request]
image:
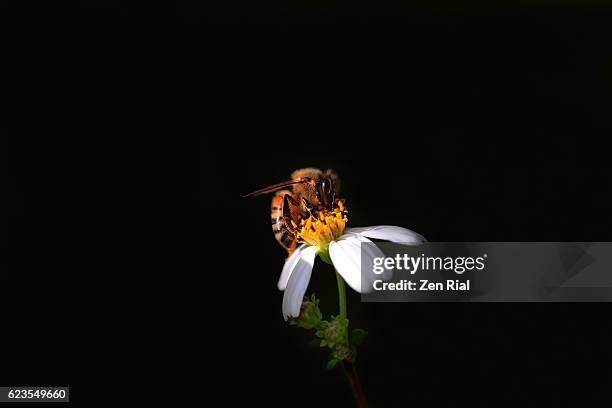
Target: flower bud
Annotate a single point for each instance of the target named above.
(336, 331)
(310, 314)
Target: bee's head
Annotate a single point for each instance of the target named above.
(317, 190)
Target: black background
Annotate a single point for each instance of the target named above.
(133, 269)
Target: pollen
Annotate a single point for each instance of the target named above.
(327, 226)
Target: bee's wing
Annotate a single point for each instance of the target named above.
(277, 186)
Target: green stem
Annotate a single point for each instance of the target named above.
(349, 367)
(341, 295)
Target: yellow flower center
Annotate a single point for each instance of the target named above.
(327, 226)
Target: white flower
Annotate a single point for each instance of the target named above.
(326, 235)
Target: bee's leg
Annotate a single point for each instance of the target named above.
(311, 210)
(292, 246)
(332, 201)
(290, 209)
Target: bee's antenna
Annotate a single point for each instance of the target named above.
(275, 187)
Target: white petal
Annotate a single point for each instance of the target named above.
(389, 233)
(288, 267)
(346, 257)
(370, 251)
(298, 283)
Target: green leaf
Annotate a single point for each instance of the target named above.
(331, 364)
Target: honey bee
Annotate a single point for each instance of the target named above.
(311, 191)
